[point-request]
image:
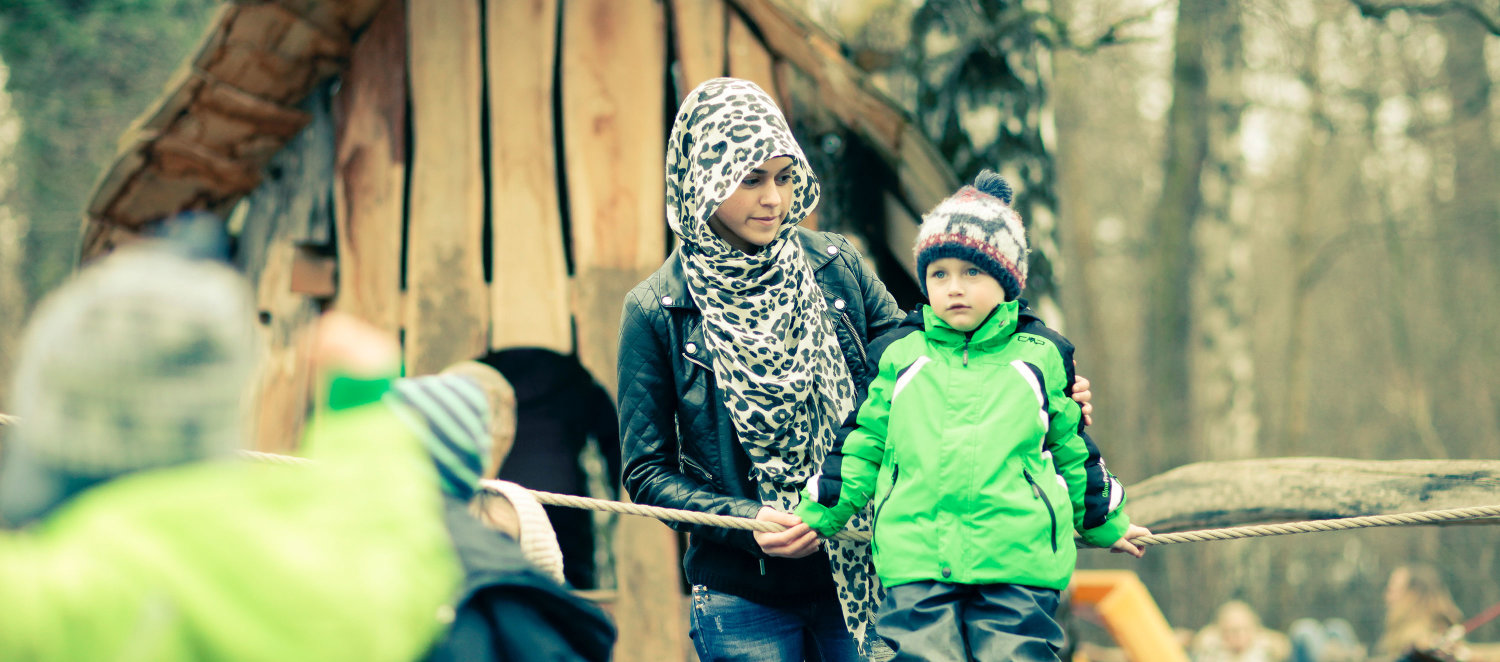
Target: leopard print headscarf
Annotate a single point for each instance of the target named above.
(777, 359)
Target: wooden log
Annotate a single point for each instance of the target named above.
(530, 304)
(613, 136)
(1234, 493)
(339, 18)
(370, 183)
(447, 316)
(271, 53)
(924, 179)
(699, 26)
(290, 211)
(901, 232)
(749, 59)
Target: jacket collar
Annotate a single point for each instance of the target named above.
(999, 325)
(817, 249)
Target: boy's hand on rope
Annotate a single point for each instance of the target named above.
(797, 541)
(1124, 546)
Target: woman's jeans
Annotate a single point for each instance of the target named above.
(727, 627)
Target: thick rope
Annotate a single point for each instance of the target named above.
(1315, 526)
(1204, 535)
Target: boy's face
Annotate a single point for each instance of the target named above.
(751, 216)
(961, 294)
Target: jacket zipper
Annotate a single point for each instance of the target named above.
(689, 464)
(966, 351)
(854, 333)
(1037, 490)
(895, 475)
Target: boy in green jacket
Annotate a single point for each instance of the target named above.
(973, 452)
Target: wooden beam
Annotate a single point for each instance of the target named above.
(699, 26)
(1129, 613)
(370, 184)
(613, 135)
(530, 304)
(1235, 493)
(447, 316)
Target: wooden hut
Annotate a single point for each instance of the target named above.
(481, 174)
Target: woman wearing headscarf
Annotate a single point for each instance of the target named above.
(739, 359)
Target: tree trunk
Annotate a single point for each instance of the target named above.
(1169, 321)
(1223, 365)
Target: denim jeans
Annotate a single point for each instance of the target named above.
(937, 622)
(727, 627)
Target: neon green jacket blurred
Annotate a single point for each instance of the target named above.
(344, 559)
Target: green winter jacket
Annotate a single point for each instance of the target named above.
(343, 559)
(973, 452)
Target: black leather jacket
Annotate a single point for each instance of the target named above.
(680, 448)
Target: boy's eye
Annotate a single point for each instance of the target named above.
(973, 271)
(938, 274)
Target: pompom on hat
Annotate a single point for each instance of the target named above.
(977, 224)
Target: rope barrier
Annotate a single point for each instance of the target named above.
(1316, 526)
(1203, 535)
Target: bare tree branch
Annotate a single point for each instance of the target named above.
(1486, 12)
(1056, 33)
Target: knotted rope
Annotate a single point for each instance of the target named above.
(1204, 535)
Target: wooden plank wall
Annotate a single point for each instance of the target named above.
(530, 301)
(370, 189)
(447, 300)
(614, 141)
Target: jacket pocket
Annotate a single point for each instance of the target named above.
(1047, 503)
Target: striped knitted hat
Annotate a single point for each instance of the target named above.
(450, 414)
(977, 224)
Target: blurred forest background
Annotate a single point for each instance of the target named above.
(1272, 228)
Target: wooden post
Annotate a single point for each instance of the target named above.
(370, 185)
(529, 300)
(289, 210)
(749, 59)
(613, 56)
(447, 317)
(699, 27)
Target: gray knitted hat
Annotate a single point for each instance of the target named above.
(142, 360)
(977, 224)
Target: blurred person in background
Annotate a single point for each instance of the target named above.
(1422, 623)
(1236, 635)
